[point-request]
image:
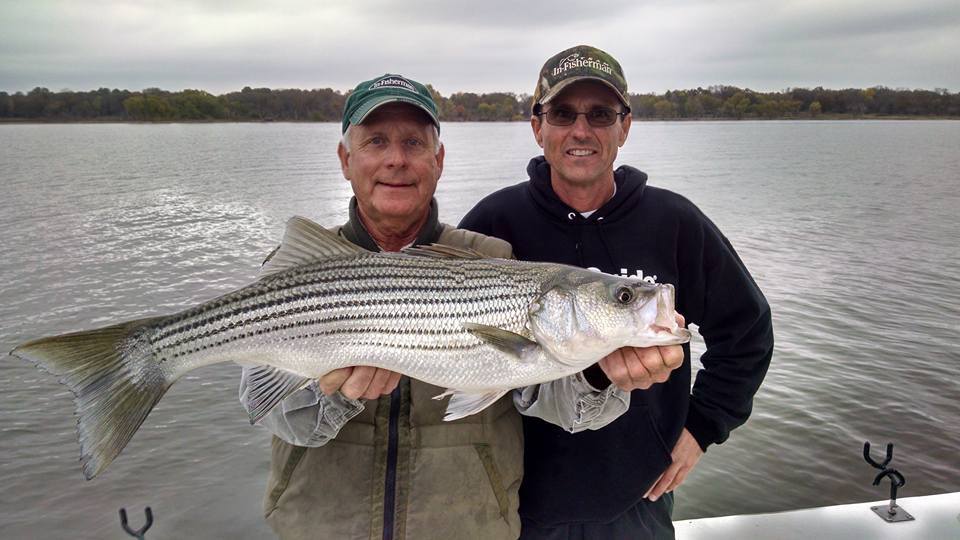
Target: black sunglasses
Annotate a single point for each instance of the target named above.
(596, 117)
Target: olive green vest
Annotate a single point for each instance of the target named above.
(453, 480)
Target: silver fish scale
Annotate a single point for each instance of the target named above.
(398, 312)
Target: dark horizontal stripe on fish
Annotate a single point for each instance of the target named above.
(338, 331)
(477, 311)
(427, 296)
(182, 321)
(473, 296)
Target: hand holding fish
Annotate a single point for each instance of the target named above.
(358, 382)
(639, 368)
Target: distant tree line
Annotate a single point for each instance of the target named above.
(326, 105)
(733, 102)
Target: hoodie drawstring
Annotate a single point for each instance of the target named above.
(603, 241)
(572, 216)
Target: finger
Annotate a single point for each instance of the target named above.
(681, 321)
(672, 356)
(358, 381)
(656, 369)
(332, 381)
(678, 479)
(641, 364)
(665, 480)
(377, 385)
(647, 494)
(615, 368)
(393, 382)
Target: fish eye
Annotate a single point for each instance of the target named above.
(624, 295)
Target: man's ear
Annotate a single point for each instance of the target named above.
(440, 154)
(344, 160)
(536, 125)
(625, 128)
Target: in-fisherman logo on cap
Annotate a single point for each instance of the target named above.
(389, 88)
(394, 82)
(577, 64)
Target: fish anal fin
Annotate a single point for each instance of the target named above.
(267, 386)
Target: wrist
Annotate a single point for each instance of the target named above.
(595, 377)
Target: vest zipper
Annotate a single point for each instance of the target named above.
(390, 482)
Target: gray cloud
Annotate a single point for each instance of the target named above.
(222, 45)
(512, 14)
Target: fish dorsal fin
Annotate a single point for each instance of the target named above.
(504, 340)
(463, 404)
(267, 386)
(306, 242)
(443, 251)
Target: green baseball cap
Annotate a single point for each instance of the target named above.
(389, 88)
(582, 62)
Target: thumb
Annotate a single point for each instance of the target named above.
(332, 381)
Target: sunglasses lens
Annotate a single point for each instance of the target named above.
(598, 117)
(601, 117)
(561, 116)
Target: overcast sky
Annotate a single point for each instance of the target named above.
(479, 46)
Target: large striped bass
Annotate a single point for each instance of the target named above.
(478, 327)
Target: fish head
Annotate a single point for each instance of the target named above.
(582, 315)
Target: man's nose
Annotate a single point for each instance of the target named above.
(580, 128)
(396, 155)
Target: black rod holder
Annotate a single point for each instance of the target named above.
(138, 534)
(891, 513)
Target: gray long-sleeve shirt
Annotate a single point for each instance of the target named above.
(310, 418)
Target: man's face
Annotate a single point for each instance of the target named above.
(392, 163)
(580, 154)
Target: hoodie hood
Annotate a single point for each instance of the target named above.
(630, 186)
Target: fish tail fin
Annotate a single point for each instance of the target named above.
(115, 380)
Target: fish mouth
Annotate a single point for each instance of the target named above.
(657, 329)
(659, 336)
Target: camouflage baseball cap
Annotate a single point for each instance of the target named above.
(388, 88)
(577, 64)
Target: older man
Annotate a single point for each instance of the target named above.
(616, 482)
(365, 453)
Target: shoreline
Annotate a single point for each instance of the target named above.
(822, 117)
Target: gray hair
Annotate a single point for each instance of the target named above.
(345, 139)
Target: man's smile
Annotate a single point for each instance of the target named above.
(395, 184)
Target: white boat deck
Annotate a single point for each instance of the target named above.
(936, 517)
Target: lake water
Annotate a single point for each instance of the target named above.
(850, 228)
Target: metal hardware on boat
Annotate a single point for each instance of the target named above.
(142, 530)
(890, 513)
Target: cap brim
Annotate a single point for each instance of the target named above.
(560, 86)
(362, 112)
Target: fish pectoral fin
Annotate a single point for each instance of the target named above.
(268, 386)
(463, 404)
(306, 242)
(504, 340)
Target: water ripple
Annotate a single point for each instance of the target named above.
(849, 228)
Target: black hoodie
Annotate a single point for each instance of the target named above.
(644, 231)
